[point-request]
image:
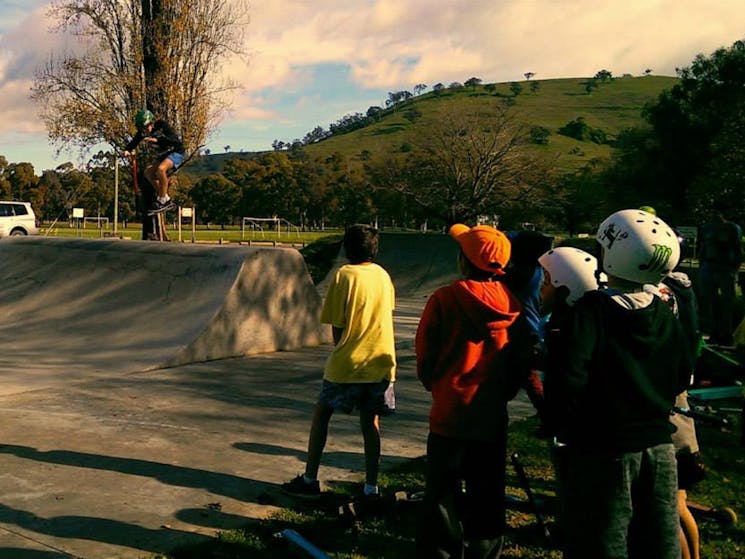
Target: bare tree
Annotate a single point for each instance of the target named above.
(465, 165)
(161, 54)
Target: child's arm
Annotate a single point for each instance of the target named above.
(426, 343)
(571, 382)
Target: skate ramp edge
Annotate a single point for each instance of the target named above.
(271, 306)
(418, 263)
(124, 306)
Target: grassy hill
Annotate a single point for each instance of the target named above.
(611, 107)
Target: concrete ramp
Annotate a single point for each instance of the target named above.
(113, 306)
(418, 263)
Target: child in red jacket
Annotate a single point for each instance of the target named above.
(473, 351)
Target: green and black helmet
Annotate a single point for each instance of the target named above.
(143, 118)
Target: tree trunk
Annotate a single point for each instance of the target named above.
(153, 25)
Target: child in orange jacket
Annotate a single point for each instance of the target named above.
(473, 351)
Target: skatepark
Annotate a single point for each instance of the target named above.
(153, 394)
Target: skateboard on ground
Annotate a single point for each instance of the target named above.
(726, 517)
(367, 507)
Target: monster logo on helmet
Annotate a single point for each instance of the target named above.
(143, 118)
(638, 246)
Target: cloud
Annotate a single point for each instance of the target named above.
(497, 40)
(387, 45)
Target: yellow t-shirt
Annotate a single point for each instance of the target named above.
(360, 301)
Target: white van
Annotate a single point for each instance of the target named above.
(17, 218)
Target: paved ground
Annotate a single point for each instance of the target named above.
(125, 465)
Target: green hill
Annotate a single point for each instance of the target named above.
(612, 107)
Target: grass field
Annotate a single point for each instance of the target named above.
(214, 234)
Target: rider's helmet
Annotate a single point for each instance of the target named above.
(638, 246)
(572, 268)
(143, 118)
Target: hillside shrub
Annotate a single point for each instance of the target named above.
(580, 130)
(539, 135)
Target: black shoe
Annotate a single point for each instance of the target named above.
(161, 207)
(298, 486)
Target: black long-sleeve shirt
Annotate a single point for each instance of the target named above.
(619, 375)
(167, 141)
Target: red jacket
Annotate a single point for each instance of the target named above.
(473, 351)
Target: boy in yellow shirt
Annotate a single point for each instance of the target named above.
(361, 369)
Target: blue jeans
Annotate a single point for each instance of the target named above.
(622, 506)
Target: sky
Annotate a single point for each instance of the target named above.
(310, 62)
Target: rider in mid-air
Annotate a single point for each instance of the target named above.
(170, 154)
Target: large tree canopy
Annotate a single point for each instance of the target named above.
(466, 165)
(692, 154)
(161, 54)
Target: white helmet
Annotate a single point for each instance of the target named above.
(572, 268)
(638, 246)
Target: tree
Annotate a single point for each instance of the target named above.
(412, 115)
(464, 165)
(419, 88)
(590, 85)
(580, 130)
(22, 179)
(438, 87)
(648, 72)
(604, 76)
(529, 75)
(226, 148)
(163, 54)
(490, 87)
(216, 199)
(472, 83)
(539, 135)
(4, 183)
(534, 86)
(691, 152)
(374, 112)
(516, 89)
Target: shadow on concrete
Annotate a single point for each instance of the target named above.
(208, 518)
(336, 459)
(96, 529)
(19, 553)
(236, 487)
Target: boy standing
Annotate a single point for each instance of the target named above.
(473, 351)
(361, 369)
(626, 360)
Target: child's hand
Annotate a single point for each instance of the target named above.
(151, 140)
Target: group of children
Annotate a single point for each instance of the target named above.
(615, 358)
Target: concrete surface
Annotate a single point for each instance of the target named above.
(106, 463)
